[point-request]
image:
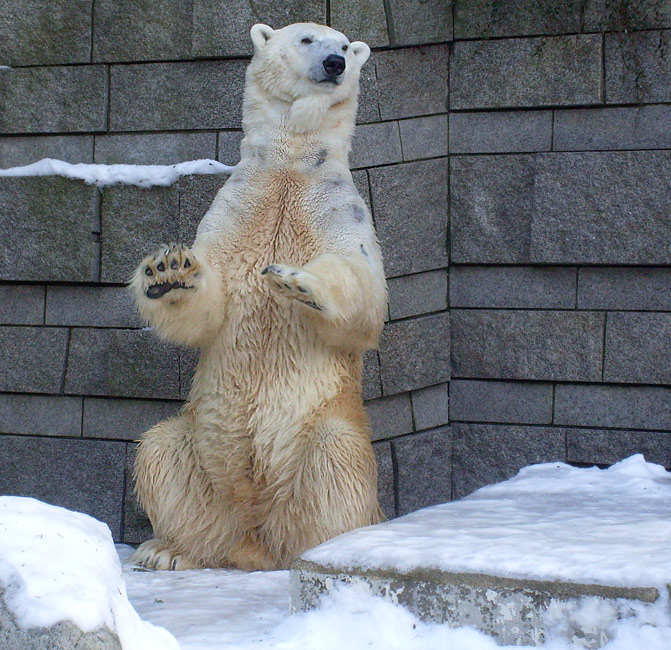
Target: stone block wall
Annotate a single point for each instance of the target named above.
(523, 146)
(560, 224)
(147, 83)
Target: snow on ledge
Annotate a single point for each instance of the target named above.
(550, 522)
(57, 565)
(102, 175)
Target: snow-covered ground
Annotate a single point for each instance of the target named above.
(102, 175)
(550, 522)
(53, 561)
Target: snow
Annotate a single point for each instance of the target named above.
(551, 522)
(232, 610)
(57, 565)
(102, 175)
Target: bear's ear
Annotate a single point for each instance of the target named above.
(260, 34)
(361, 51)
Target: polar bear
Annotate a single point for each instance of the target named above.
(282, 291)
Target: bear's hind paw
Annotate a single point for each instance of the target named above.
(156, 554)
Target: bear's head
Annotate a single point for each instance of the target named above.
(312, 67)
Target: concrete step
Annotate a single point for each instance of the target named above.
(556, 552)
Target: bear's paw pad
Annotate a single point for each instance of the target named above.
(169, 268)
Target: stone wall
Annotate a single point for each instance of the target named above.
(141, 82)
(549, 203)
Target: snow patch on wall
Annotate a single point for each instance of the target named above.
(103, 175)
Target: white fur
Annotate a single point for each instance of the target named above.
(283, 291)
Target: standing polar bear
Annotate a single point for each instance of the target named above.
(283, 291)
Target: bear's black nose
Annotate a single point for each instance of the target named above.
(334, 64)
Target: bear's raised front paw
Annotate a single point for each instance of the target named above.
(171, 267)
(293, 282)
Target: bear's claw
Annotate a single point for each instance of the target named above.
(292, 282)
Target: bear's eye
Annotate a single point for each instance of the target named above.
(344, 48)
(306, 41)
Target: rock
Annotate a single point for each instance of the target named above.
(62, 636)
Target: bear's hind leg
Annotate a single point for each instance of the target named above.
(193, 525)
(327, 487)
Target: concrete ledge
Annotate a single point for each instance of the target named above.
(513, 611)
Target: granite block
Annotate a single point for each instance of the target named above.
(385, 479)
(412, 81)
(76, 96)
(369, 105)
(91, 306)
(631, 127)
(424, 465)
(171, 96)
(390, 416)
(622, 407)
(501, 401)
(616, 211)
(44, 415)
(16, 151)
(32, 359)
(375, 144)
(607, 446)
(509, 286)
(154, 148)
(361, 20)
(121, 363)
(45, 32)
(229, 147)
(424, 137)
(222, 29)
(135, 222)
(493, 18)
(422, 293)
(21, 304)
(638, 67)
(491, 208)
(412, 239)
(430, 406)
(500, 131)
(55, 216)
(415, 353)
(637, 348)
(371, 385)
(537, 345)
(124, 419)
(487, 453)
(624, 288)
(618, 16)
(196, 194)
(142, 30)
(421, 21)
(526, 72)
